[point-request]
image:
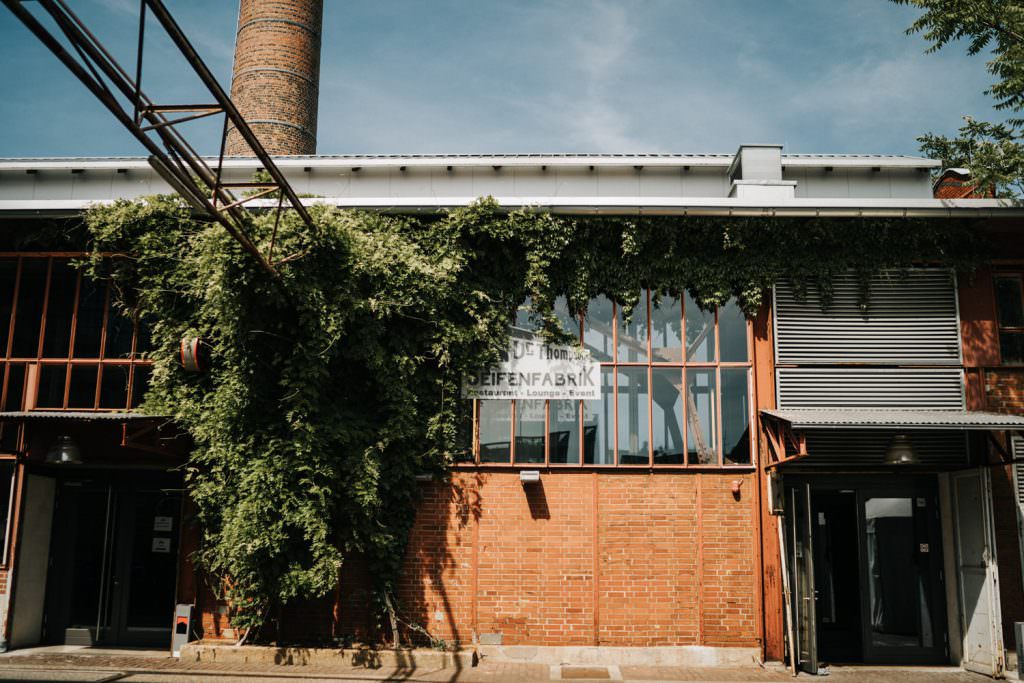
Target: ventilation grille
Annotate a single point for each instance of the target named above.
(832, 447)
(911, 320)
(1017, 448)
(920, 388)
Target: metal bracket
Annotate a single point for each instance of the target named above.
(170, 153)
(780, 438)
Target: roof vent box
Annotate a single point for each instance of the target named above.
(756, 173)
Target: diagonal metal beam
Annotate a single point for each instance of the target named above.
(170, 153)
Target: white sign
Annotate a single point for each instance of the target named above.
(161, 545)
(163, 523)
(534, 369)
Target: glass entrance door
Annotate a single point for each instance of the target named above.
(114, 559)
(901, 582)
(866, 570)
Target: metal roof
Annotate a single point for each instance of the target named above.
(77, 416)
(464, 160)
(906, 418)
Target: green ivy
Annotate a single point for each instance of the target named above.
(333, 386)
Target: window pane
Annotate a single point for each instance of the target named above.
(495, 431)
(633, 335)
(57, 336)
(565, 432)
(8, 271)
(732, 333)
(700, 333)
(598, 431)
(597, 328)
(666, 328)
(570, 325)
(1008, 300)
(530, 431)
(667, 438)
(51, 386)
(1011, 347)
(30, 308)
(140, 383)
(114, 386)
(82, 393)
(633, 402)
(15, 386)
(144, 342)
(119, 334)
(89, 325)
(735, 416)
(701, 404)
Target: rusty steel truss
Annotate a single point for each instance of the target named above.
(156, 125)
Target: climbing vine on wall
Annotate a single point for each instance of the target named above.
(333, 386)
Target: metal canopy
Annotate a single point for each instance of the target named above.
(902, 419)
(76, 416)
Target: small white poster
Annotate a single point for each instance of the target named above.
(161, 545)
(535, 369)
(163, 523)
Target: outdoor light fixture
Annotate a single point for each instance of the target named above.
(901, 451)
(64, 451)
(529, 476)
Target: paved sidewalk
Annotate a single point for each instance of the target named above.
(157, 668)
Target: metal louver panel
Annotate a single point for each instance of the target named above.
(911, 320)
(831, 447)
(920, 388)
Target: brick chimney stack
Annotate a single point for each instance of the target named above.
(276, 78)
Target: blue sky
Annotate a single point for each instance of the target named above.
(427, 76)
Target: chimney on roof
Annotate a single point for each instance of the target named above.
(756, 173)
(956, 183)
(275, 82)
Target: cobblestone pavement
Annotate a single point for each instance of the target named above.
(150, 669)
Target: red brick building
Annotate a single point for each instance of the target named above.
(668, 517)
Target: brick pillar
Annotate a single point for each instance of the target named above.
(275, 80)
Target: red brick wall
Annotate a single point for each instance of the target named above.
(583, 558)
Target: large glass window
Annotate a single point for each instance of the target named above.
(675, 391)
(71, 349)
(1010, 306)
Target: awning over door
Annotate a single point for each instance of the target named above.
(902, 419)
(860, 436)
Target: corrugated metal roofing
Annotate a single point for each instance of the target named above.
(907, 418)
(79, 416)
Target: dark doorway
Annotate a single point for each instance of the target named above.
(113, 559)
(865, 566)
(836, 576)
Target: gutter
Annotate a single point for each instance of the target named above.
(614, 206)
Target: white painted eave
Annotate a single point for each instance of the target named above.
(349, 162)
(631, 205)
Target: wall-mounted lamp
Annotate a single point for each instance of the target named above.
(64, 451)
(901, 451)
(529, 476)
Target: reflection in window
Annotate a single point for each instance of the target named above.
(597, 328)
(899, 606)
(495, 431)
(735, 416)
(633, 334)
(700, 408)
(700, 333)
(667, 438)
(633, 403)
(666, 328)
(598, 426)
(530, 431)
(565, 432)
(732, 333)
(1010, 305)
(569, 323)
